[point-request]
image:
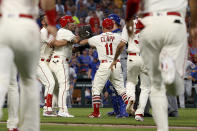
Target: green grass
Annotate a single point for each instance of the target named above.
(187, 117)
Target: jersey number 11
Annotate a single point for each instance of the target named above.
(109, 48)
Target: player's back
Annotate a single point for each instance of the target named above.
(106, 44)
(11, 8)
(163, 5)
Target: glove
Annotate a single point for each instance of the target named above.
(85, 32)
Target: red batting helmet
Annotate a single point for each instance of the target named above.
(108, 24)
(64, 20)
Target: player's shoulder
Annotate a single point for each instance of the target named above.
(64, 31)
(94, 38)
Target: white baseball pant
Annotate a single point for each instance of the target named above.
(17, 45)
(103, 74)
(123, 62)
(135, 68)
(13, 100)
(45, 75)
(60, 67)
(160, 37)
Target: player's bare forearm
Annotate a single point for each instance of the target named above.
(83, 42)
(59, 43)
(193, 4)
(47, 4)
(119, 50)
(76, 39)
(89, 73)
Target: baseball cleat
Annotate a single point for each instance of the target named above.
(64, 114)
(139, 117)
(168, 71)
(111, 113)
(49, 113)
(94, 115)
(13, 129)
(122, 116)
(129, 107)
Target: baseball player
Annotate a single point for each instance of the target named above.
(105, 44)
(135, 68)
(59, 63)
(19, 44)
(13, 102)
(44, 74)
(163, 49)
(119, 108)
(187, 83)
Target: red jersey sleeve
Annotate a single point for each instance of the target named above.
(132, 8)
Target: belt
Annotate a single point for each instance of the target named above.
(56, 56)
(134, 54)
(161, 14)
(47, 60)
(20, 15)
(105, 61)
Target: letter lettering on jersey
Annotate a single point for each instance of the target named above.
(102, 39)
(108, 38)
(112, 38)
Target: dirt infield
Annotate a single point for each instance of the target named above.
(110, 125)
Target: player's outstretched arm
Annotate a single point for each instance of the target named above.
(119, 49)
(58, 43)
(132, 8)
(49, 7)
(83, 42)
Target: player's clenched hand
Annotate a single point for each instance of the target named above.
(112, 65)
(52, 30)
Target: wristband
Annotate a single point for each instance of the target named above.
(51, 16)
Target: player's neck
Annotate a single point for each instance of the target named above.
(106, 30)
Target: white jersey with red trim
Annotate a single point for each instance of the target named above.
(64, 34)
(12, 8)
(106, 44)
(45, 50)
(133, 43)
(164, 6)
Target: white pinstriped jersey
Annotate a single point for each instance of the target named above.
(106, 44)
(13, 8)
(45, 50)
(64, 34)
(133, 43)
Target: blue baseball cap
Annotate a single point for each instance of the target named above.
(114, 17)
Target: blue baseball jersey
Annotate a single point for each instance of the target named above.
(194, 75)
(94, 65)
(84, 61)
